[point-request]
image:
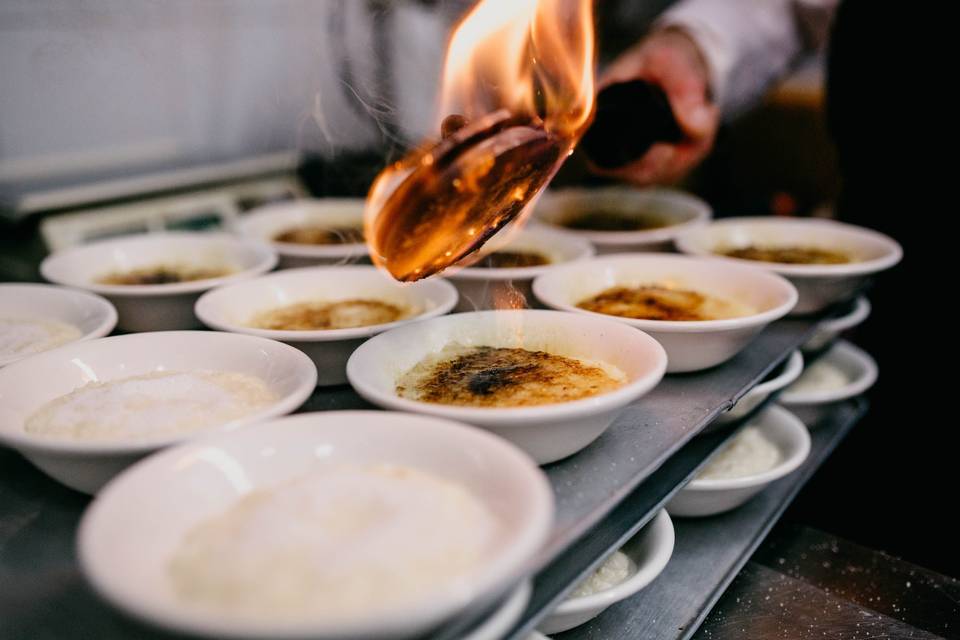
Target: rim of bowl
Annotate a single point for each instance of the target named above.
(509, 416)
(792, 369)
(688, 243)
(266, 260)
(21, 440)
(208, 317)
(675, 326)
(299, 250)
(703, 213)
(666, 538)
(104, 309)
(861, 311)
(867, 376)
(784, 467)
(507, 567)
(582, 246)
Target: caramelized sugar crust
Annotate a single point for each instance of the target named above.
(315, 234)
(343, 314)
(789, 255)
(163, 274)
(512, 260)
(615, 221)
(661, 303)
(503, 377)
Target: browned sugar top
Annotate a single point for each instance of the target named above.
(163, 274)
(615, 221)
(317, 234)
(512, 260)
(343, 314)
(504, 377)
(788, 255)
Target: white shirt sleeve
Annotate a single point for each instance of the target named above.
(747, 44)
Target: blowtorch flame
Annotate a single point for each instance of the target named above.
(520, 72)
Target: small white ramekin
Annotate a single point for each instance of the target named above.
(91, 314)
(129, 532)
(264, 223)
(231, 308)
(859, 367)
(707, 497)
(547, 432)
(681, 210)
(786, 374)
(829, 330)
(692, 345)
(27, 385)
(650, 550)
(482, 288)
(819, 285)
(157, 307)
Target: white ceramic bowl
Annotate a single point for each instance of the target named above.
(858, 367)
(650, 550)
(819, 285)
(264, 223)
(547, 432)
(135, 524)
(712, 496)
(157, 307)
(829, 330)
(504, 617)
(692, 345)
(231, 308)
(481, 288)
(682, 210)
(786, 374)
(92, 315)
(85, 466)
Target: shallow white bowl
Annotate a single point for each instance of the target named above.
(263, 223)
(708, 497)
(135, 524)
(85, 466)
(684, 211)
(859, 367)
(547, 432)
(819, 285)
(157, 307)
(787, 373)
(691, 346)
(650, 550)
(482, 288)
(231, 308)
(828, 330)
(91, 314)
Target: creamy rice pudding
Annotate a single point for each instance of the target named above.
(747, 454)
(320, 234)
(164, 274)
(654, 302)
(343, 314)
(21, 336)
(504, 377)
(164, 403)
(789, 254)
(512, 259)
(615, 221)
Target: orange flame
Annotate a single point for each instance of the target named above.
(531, 58)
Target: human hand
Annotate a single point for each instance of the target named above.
(672, 60)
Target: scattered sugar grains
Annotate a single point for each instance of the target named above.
(157, 404)
(356, 542)
(747, 454)
(23, 336)
(822, 375)
(612, 572)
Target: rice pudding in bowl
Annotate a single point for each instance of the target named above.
(843, 372)
(702, 312)
(154, 279)
(38, 317)
(311, 231)
(394, 523)
(620, 218)
(84, 411)
(502, 277)
(326, 312)
(827, 261)
(506, 371)
(773, 444)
